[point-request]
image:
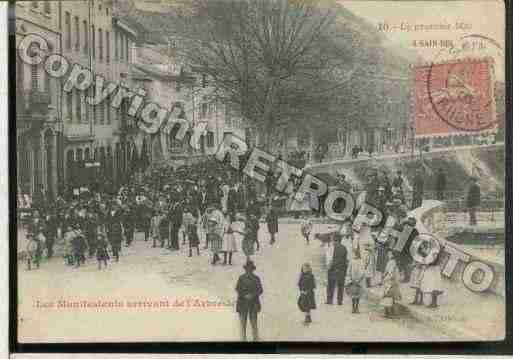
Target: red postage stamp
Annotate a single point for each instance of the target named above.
(454, 96)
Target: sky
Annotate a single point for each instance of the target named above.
(483, 17)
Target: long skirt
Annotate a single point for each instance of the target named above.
(229, 243)
(391, 290)
(416, 277)
(102, 254)
(306, 301)
(192, 235)
(248, 246)
(381, 258)
(216, 242)
(432, 280)
(354, 289)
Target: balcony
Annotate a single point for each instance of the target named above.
(37, 102)
(127, 124)
(32, 109)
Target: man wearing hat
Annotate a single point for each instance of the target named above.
(249, 289)
(441, 183)
(272, 222)
(404, 259)
(175, 214)
(215, 232)
(79, 246)
(343, 184)
(50, 232)
(418, 189)
(115, 231)
(337, 269)
(473, 200)
(398, 181)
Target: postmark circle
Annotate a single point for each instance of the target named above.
(460, 84)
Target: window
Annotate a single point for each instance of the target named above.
(204, 80)
(86, 37)
(126, 49)
(107, 11)
(86, 117)
(67, 22)
(78, 106)
(116, 44)
(121, 44)
(93, 41)
(69, 106)
(107, 46)
(204, 110)
(210, 139)
(100, 44)
(77, 32)
(48, 7)
(107, 101)
(19, 74)
(101, 110)
(47, 83)
(34, 76)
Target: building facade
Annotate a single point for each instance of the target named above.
(187, 95)
(61, 140)
(38, 106)
(95, 149)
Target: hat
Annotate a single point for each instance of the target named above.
(306, 267)
(381, 188)
(411, 221)
(367, 247)
(240, 217)
(249, 266)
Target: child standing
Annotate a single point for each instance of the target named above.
(239, 228)
(229, 242)
(306, 229)
(33, 251)
(189, 231)
(155, 227)
(392, 292)
(369, 264)
(354, 288)
(102, 255)
(306, 284)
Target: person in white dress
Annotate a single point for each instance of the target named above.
(431, 281)
(229, 241)
(391, 290)
(215, 232)
(369, 264)
(239, 230)
(306, 229)
(354, 288)
(225, 189)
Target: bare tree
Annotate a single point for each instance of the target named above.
(278, 61)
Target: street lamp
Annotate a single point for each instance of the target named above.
(412, 129)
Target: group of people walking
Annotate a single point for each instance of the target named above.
(194, 204)
(202, 208)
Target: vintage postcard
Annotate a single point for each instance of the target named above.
(264, 170)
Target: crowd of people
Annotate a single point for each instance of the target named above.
(207, 206)
(201, 203)
(362, 257)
